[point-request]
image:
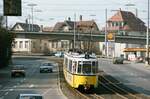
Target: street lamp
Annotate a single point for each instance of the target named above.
(147, 38)
(106, 32)
(32, 5)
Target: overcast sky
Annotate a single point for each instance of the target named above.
(53, 11)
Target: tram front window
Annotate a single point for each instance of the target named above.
(86, 69)
(94, 67)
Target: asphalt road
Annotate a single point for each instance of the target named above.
(134, 75)
(46, 84)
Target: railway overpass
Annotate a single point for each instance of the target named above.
(129, 39)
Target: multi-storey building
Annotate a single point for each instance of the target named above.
(125, 23)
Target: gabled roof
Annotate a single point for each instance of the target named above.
(58, 26)
(47, 29)
(86, 23)
(133, 23)
(27, 27)
(79, 25)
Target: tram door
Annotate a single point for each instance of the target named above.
(74, 70)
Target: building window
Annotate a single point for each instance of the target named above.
(62, 44)
(15, 44)
(113, 24)
(52, 44)
(21, 44)
(26, 44)
(33, 44)
(117, 23)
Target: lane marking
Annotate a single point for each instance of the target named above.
(47, 91)
(32, 85)
(6, 93)
(14, 86)
(11, 89)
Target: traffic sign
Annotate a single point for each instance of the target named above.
(110, 36)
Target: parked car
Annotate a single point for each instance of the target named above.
(139, 59)
(118, 60)
(18, 71)
(46, 67)
(50, 54)
(59, 54)
(29, 96)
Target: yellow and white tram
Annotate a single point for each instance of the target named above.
(80, 70)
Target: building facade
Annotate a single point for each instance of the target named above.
(124, 23)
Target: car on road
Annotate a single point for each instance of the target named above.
(46, 67)
(29, 96)
(118, 60)
(18, 71)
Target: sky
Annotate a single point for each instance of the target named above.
(48, 12)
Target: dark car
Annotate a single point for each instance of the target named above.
(118, 60)
(18, 71)
(46, 67)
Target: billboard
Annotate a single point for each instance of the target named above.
(12, 8)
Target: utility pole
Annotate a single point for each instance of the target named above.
(147, 38)
(106, 32)
(32, 5)
(6, 22)
(74, 40)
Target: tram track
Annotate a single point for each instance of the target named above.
(118, 89)
(108, 88)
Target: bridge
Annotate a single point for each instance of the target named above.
(96, 37)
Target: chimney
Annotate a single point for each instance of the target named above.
(80, 17)
(41, 28)
(69, 19)
(26, 21)
(27, 27)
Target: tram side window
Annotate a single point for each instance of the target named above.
(79, 66)
(74, 66)
(94, 66)
(70, 65)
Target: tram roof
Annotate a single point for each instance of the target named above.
(74, 55)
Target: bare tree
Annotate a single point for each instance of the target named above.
(2, 21)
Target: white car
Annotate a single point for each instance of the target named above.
(59, 54)
(46, 67)
(29, 96)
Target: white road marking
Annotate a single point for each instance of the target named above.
(14, 86)
(11, 89)
(31, 86)
(47, 91)
(22, 81)
(6, 93)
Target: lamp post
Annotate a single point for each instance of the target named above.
(32, 5)
(106, 32)
(74, 32)
(147, 38)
